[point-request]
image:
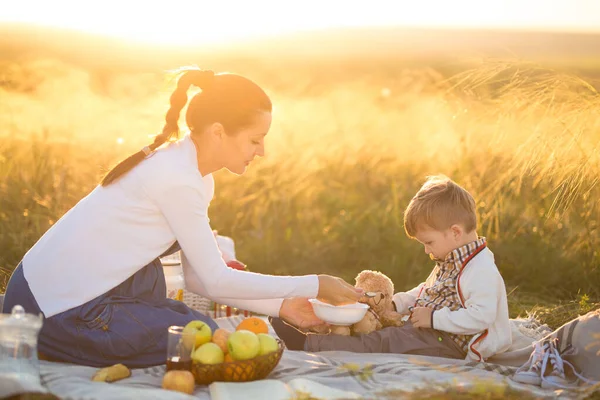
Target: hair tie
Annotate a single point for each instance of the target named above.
(147, 151)
(202, 78)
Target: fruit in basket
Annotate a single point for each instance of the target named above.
(201, 331)
(220, 339)
(243, 345)
(208, 353)
(232, 370)
(253, 324)
(268, 344)
(180, 381)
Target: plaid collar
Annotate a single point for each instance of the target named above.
(457, 257)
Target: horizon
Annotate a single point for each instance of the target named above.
(251, 21)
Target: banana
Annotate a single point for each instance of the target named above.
(111, 374)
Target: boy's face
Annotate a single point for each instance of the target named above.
(438, 244)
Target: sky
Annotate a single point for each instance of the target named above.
(214, 21)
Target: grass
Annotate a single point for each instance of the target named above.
(344, 158)
(550, 311)
(343, 161)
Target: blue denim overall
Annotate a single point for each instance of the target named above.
(127, 325)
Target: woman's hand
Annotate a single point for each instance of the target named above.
(337, 291)
(297, 311)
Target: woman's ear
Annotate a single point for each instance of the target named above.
(216, 131)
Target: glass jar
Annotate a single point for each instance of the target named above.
(18, 346)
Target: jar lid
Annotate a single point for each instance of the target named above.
(170, 263)
(19, 318)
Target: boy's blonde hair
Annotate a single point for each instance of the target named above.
(439, 204)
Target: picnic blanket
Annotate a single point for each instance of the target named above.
(326, 375)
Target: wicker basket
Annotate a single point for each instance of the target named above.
(238, 371)
(210, 308)
(196, 302)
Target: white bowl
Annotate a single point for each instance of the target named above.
(345, 315)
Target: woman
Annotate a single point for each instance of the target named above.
(96, 274)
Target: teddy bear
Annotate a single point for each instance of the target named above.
(379, 290)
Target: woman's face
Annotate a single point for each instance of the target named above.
(239, 150)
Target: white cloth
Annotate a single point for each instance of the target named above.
(353, 373)
(486, 307)
(116, 230)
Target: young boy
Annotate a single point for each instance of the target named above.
(460, 311)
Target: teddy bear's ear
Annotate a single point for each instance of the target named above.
(361, 275)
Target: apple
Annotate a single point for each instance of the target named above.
(180, 381)
(201, 333)
(208, 353)
(243, 345)
(268, 344)
(220, 338)
(235, 264)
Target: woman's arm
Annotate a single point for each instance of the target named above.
(298, 310)
(268, 307)
(184, 206)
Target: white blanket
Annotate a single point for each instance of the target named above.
(327, 375)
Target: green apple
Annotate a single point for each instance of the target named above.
(199, 331)
(243, 345)
(268, 344)
(208, 353)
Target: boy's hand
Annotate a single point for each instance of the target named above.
(421, 317)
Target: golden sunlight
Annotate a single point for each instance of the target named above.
(184, 22)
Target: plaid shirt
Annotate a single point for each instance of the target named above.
(442, 291)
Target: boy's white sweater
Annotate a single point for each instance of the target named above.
(485, 312)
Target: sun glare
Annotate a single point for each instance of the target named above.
(185, 22)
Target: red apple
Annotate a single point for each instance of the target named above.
(235, 264)
(220, 338)
(180, 381)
